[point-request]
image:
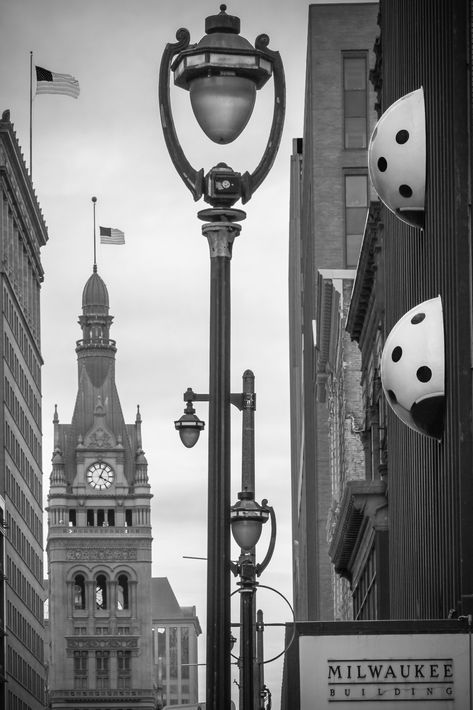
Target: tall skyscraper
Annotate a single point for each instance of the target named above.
(22, 234)
(99, 537)
(329, 200)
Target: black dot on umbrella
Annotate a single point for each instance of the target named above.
(402, 136)
(396, 354)
(382, 164)
(424, 374)
(418, 318)
(405, 191)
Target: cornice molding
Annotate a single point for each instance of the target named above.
(360, 509)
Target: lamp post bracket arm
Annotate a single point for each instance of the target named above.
(250, 183)
(191, 396)
(193, 179)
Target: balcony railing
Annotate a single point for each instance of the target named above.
(100, 530)
(99, 343)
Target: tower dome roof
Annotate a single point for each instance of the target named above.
(95, 294)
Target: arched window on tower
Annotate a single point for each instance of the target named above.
(122, 592)
(79, 591)
(101, 592)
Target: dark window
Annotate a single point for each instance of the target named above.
(355, 100)
(72, 518)
(111, 517)
(356, 207)
(185, 653)
(90, 518)
(79, 591)
(128, 518)
(100, 517)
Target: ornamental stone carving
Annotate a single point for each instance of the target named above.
(88, 644)
(100, 554)
(100, 439)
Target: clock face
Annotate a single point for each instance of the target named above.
(100, 476)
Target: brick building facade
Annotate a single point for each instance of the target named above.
(329, 200)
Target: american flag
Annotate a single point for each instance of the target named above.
(49, 82)
(110, 235)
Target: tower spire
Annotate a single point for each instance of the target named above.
(94, 202)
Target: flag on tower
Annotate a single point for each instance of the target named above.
(49, 82)
(110, 235)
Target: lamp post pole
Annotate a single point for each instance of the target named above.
(222, 70)
(248, 684)
(220, 237)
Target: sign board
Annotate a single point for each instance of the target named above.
(408, 671)
(380, 665)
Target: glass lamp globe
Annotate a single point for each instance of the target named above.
(222, 105)
(189, 427)
(222, 73)
(247, 518)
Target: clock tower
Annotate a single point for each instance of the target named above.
(99, 537)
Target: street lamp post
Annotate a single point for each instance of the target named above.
(247, 519)
(222, 73)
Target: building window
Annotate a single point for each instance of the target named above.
(122, 592)
(90, 519)
(355, 100)
(124, 661)
(162, 650)
(356, 207)
(80, 669)
(72, 518)
(102, 630)
(365, 592)
(102, 669)
(128, 518)
(79, 591)
(101, 592)
(124, 669)
(185, 653)
(173, 652)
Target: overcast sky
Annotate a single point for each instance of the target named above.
(109, 143)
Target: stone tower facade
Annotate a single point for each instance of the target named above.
(99, 537)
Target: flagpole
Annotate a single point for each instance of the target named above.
(31, 114)
(94, 201)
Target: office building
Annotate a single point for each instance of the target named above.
(330, 195)
(175, 633)
(22, 234)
